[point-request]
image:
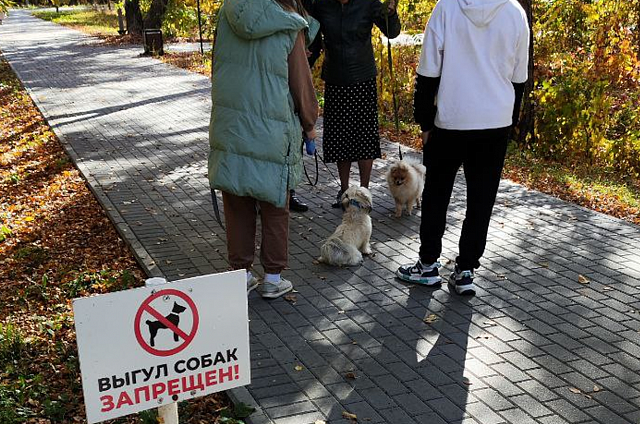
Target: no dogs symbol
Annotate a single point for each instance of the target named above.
(166, 322)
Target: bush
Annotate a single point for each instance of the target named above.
(587, 98)
(5, 5)
(181, 18)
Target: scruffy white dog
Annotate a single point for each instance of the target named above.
(351, 239)
(406, 182)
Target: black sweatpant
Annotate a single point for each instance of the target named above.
(481, 153)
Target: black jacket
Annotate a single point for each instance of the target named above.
(346, 38)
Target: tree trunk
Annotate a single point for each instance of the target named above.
(527, 118)
(154, 17)
(133, 16)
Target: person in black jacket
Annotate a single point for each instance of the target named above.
(349, 71)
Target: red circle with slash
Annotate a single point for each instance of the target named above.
(187, 338)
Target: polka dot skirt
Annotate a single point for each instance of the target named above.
(351, 122)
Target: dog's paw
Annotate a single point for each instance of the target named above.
(367, 250)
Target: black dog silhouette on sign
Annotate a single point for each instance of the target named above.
(173, 318)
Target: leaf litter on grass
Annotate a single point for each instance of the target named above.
(56, 243)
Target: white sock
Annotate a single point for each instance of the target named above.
(249, 276)
(272, 278)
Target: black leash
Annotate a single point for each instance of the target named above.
(393, 84)
(328, 169)
(315, 183)
(216, 209)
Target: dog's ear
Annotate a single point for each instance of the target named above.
(177, 309)
(365, 199)
(344, 201)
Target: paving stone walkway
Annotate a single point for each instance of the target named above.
(534, 345)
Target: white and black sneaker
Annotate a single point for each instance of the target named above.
(427, 275)
(461, 282)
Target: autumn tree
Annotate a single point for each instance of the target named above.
(133, 16)
(5, 5)
(58, 3)
(153, 18)
(525, 129)
(587, 97)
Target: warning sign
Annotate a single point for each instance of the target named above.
(150, 320)
(146, 347)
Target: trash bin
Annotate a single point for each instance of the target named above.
(152, 40)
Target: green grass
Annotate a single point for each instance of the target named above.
(91, 21)
(12, 343)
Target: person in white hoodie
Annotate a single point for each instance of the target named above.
(469, 86)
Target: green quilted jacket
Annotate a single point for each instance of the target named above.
(254, 134)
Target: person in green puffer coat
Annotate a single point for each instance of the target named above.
(262, 100)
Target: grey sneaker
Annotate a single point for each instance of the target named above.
(273, 290)
(252, 283)
(461, 282)
(427, 275)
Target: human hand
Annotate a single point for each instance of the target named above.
(391, 6)
(310, 145)
(310, 134)
(425, 137)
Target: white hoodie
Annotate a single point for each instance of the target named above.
(478, 48)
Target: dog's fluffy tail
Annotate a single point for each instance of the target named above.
(336, 252)
(416, 164)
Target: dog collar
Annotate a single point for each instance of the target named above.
(355, 203)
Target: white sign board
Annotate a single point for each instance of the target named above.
(150, 346)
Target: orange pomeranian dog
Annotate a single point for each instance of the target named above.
(406, 182)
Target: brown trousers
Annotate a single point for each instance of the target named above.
(240, 215)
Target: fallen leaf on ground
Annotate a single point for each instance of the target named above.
(298, 368)
(351, 375)
(596, 389)
(575, 390)
(431, 319)
(291, 298)
(583, 280)
(349, 416)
